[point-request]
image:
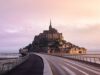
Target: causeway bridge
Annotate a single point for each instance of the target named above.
(53, 64)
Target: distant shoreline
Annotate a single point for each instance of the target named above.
(4, 56)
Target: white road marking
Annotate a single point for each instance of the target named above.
(68, 70)
(94, 68)
(85, 68)
(77, 69)
(57, 66)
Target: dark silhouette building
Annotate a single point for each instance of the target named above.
(51, 41)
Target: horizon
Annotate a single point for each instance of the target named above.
(21, 20)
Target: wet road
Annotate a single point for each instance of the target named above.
(63, 66)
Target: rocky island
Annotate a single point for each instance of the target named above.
(51, 41)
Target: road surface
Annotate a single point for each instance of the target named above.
(63, 66)
(33, 66)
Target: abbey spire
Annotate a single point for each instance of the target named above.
(50, 27)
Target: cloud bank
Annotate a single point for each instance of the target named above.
(21, 20)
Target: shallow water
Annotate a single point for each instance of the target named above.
(9, 55)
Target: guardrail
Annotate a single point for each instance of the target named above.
(93, 58)
(12, 63)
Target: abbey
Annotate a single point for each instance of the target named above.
(51, 41)
(48, 36)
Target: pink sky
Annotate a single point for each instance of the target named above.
(21, 20)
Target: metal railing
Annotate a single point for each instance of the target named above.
(12, 63)
(93, 58)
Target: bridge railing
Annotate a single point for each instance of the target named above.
(93, 58)
(12, 63)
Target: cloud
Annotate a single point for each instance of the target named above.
(12, 31)
(86, 36)
(21, 20)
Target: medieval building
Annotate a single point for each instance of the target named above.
(51, 41)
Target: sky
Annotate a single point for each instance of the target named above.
(21, 20)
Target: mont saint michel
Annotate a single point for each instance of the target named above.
(49, 37)
(52, 41)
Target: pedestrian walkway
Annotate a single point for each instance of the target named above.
(33, 66)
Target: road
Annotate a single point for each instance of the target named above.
(33, 66)
(63, 66)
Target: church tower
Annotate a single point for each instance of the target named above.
(50, 27)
